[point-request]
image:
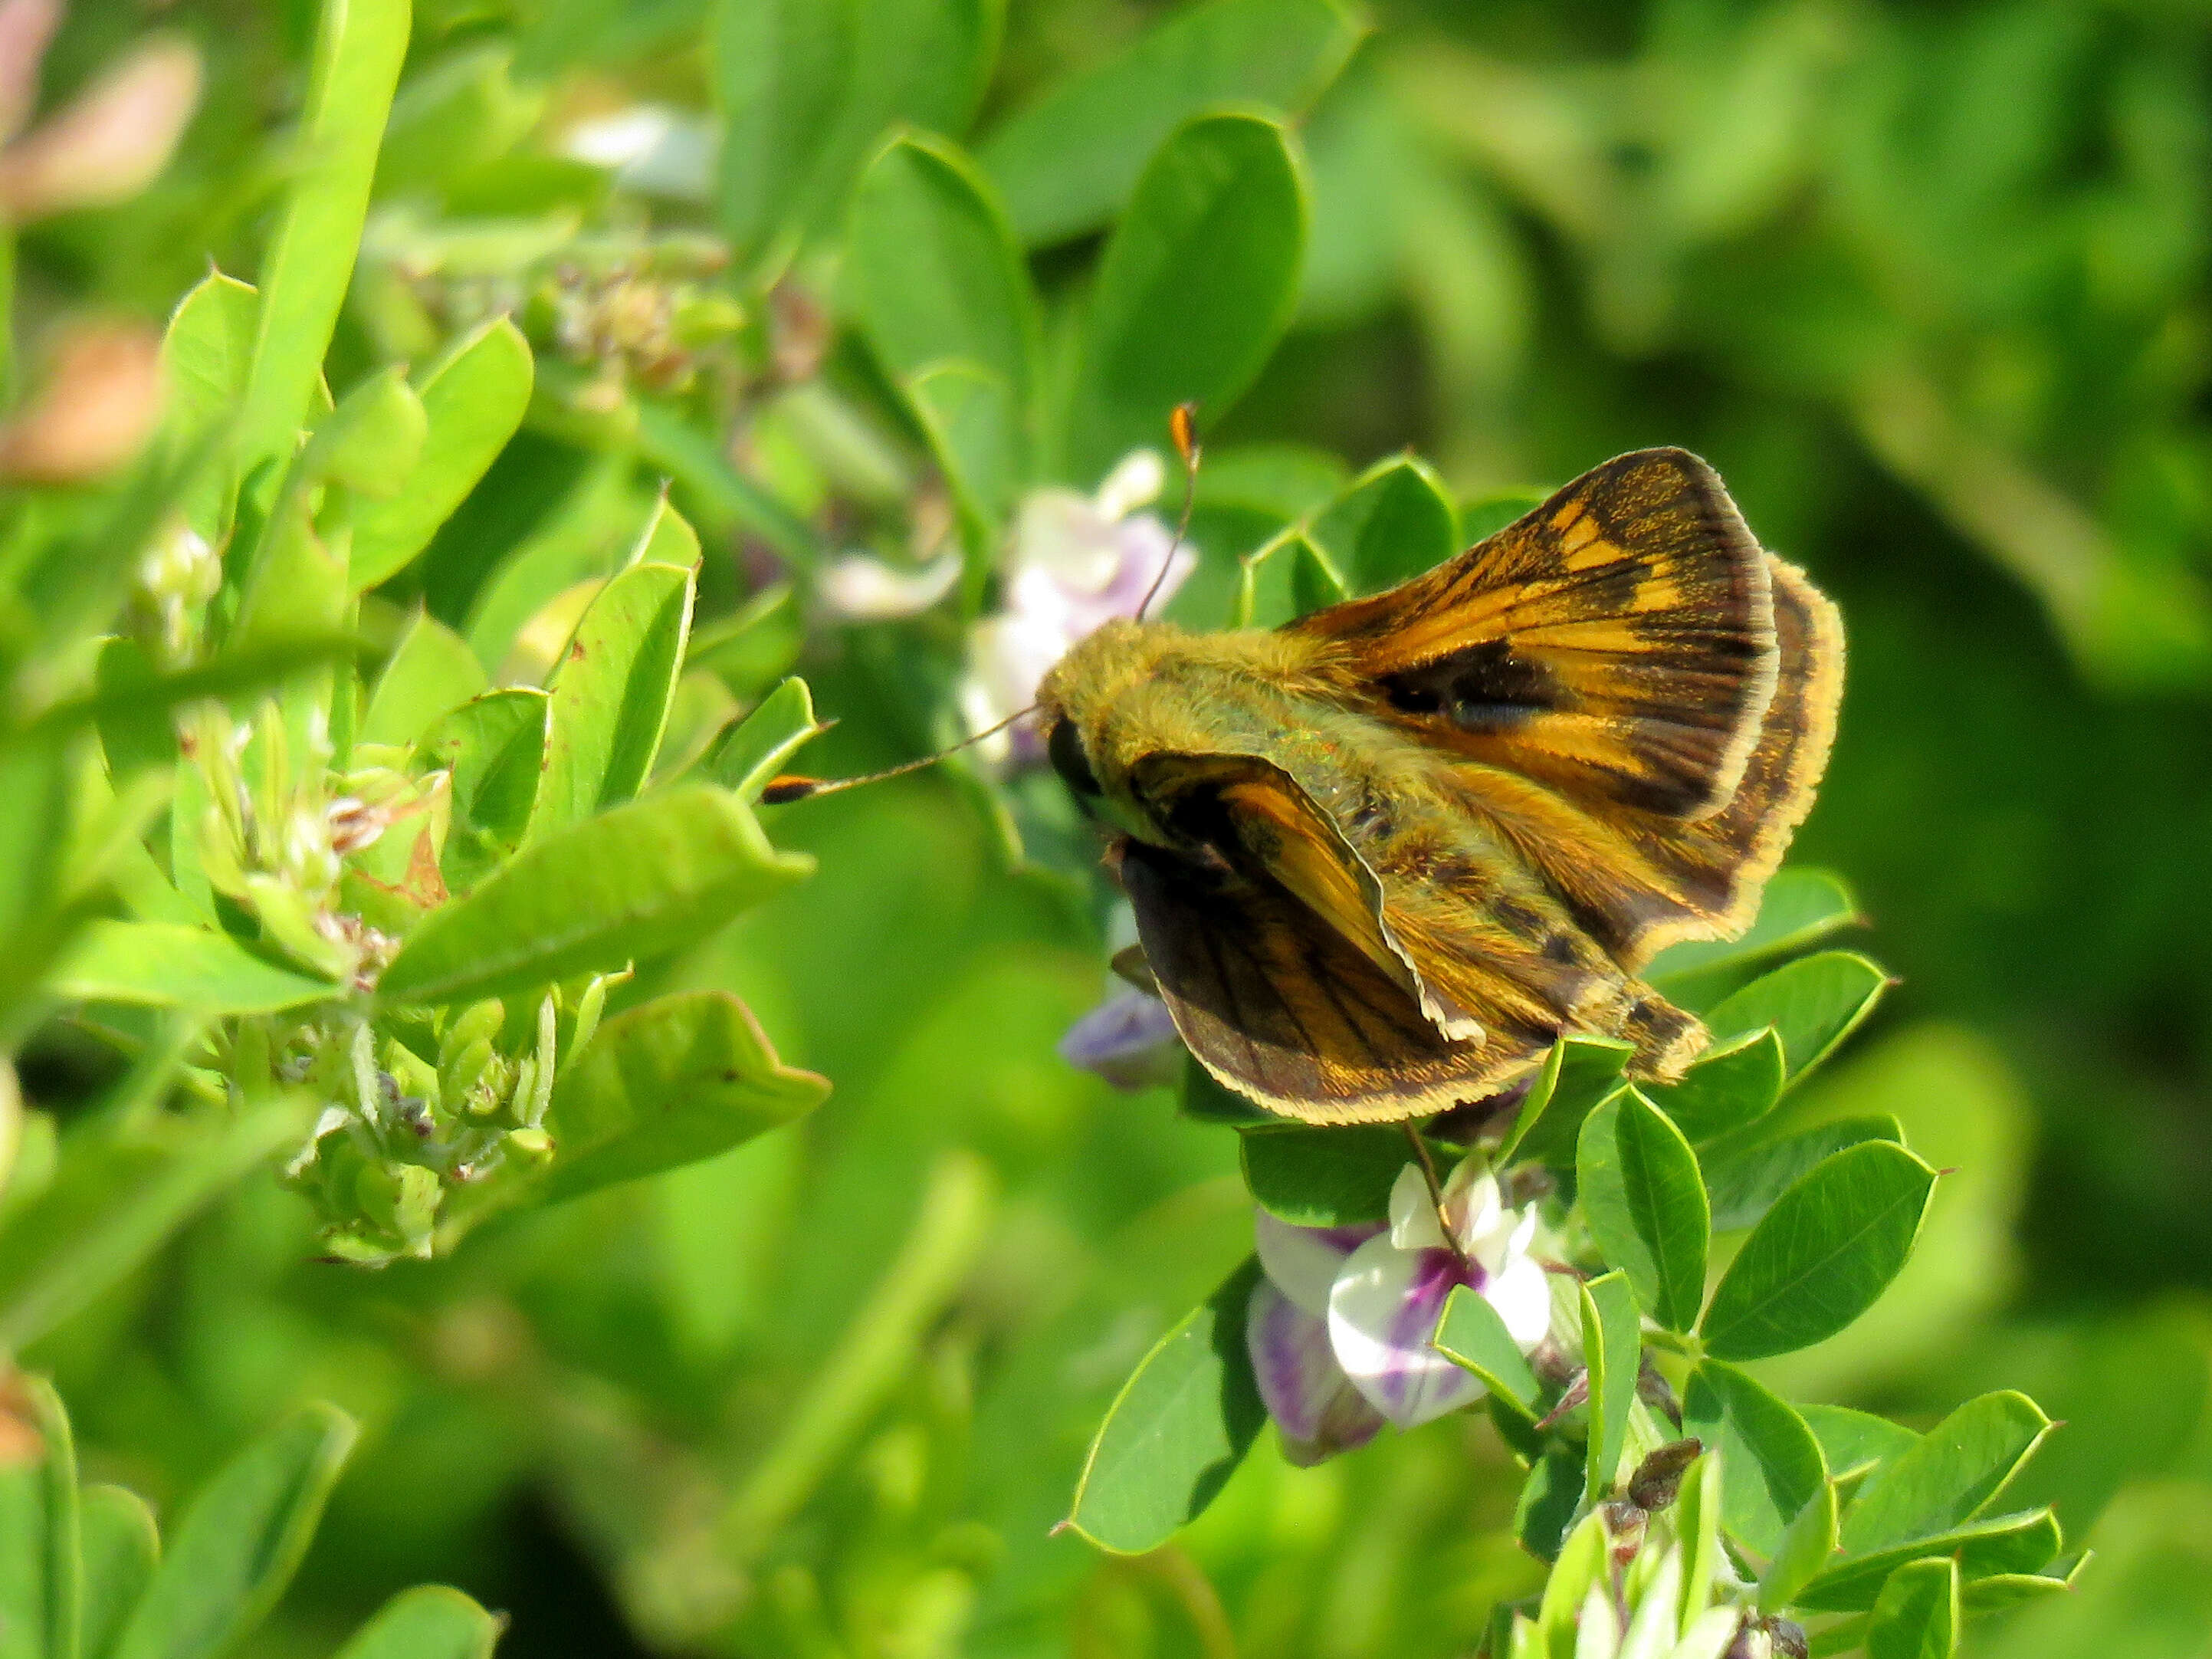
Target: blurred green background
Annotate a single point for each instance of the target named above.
(1927, 283)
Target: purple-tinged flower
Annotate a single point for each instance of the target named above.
(1340, 1329)
(1129, 1040)
(1077, 562)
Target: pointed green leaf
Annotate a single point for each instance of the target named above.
(673, 1081)
(755, 749)
(1771, 1463)
(1392, 525)
(2006, 1546)
(1550, 1498)
(1731, 1087)
(120, 1548)
(610, 696)
(1193, 291)
(1814, 1003)
(1916, 1615)
(1332, 1177)
(1745, 1182)
(1176, 1432)
(41, 1582)
(495, 747)
(473, 403)
(1069, 161)
(1472, 1335)
(780, 69)
(1582, 1564)
(1828, 1248)
(636, 882)
(158, 964)
(432, 673)
(1285, 577)
(359, 46)
(1955, 1472)
(1613, 1348)
(1698, 1512)
(1801, 907)
(1641, 1193)
(372, 440)
(240, 1540)
(973, 420)
(206, 357)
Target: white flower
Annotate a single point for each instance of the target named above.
(1076, 562)
(1339, 1330)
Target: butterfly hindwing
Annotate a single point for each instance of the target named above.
(1617, 643)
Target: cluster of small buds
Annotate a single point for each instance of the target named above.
(179, 573)
(637, 325)
(407, 1119)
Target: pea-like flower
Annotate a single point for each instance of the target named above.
(1340, 1329)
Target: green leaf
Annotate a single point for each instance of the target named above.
(1284, 578)
(634, 882)
(1485, 515)
(1550, 1499)
(1806, 1543)
(754, 750)
(153, 964)
(1916, 1615)
(1855, 1443)
(41, 1581)
(1194, 289)
(1828, 1248)
(1745, 1182)
(1801, 907)
(931, 270)
(1698, 1512)
(116, 1194)
(1812, 1003)
(1333, 1177)
(431, 1622)
(1578, 1074)
(432, 673)
(372, 440)
(779, 69)
(1176, 1432)
(1640, 1191)
(120, 1548)
(2006, 1546)
(495, 747)
(1613, 1348)
(2002, 1590)
(1394, 523)
(240, 1540)
(207, 357)
(1584, 1559)
(359, 46)
(1472, 1335)
(473, 403)
(610, 696)
(1730, 1088)
(1069, 161)
(973, 420)
(673, 1081)
(1771, 1463)
(1955, 1472)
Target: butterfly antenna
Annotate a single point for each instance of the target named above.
(1182, 427)
(789, 786)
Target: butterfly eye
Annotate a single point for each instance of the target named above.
(1063, 745)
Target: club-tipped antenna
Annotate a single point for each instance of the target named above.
(789, 786)
(1182, 427)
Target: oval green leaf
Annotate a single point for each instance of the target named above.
(1395, 522)
(1612, 1349)
(754, 750)
(634, 883)
(1335, 1177)
(156, 964)
(1472, 1335)
(118, 1547)
(1828, 1248)
(1730, 1088)
(1950, 1475)
(431, 1622)
(240, 1540)
(1745, 1182)
(493, 747)
(1813, 1004)
(1068, 160)
(673, 1081)
(1800, 907)
(1176, 1432)
(2005, 1546)
(1645, 1203)
(1196, 287)
(432, 672)
(1771, 1463)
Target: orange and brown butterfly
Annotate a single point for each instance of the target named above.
(1381, 859)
